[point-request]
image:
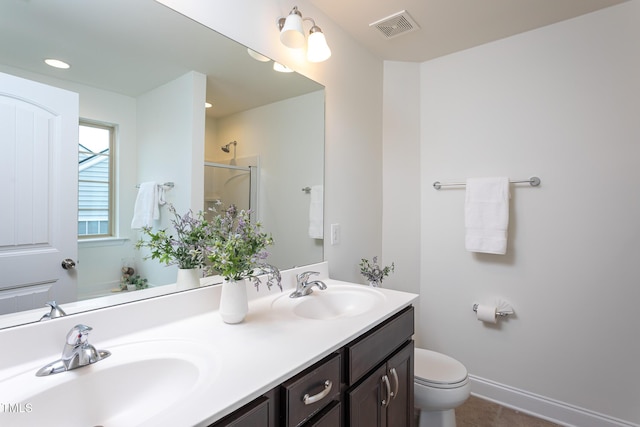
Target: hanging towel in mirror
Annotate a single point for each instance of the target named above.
(146, 209)
(487, 215)
(316, 218)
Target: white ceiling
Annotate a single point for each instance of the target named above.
(157, 44)
(130, 47)
(447, 26)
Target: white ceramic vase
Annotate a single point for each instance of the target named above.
(233, 301)
(188, 278)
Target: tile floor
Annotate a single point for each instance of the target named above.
(476, 412)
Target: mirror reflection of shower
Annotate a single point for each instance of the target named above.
(230, 184)
(227, 149)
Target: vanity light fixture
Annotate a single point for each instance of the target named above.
(257, 56)
(276, 65)
(281, 68)
(56, 63)
(292, 36)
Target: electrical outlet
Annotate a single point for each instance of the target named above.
(335, 234)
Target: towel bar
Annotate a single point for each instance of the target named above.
(166, 185)
(534, 181)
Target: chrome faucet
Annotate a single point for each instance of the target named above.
(77, 352)
(56, 311)
(303, 286)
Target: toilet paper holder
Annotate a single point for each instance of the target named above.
(502, 309)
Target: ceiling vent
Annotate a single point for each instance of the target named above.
(396, 25)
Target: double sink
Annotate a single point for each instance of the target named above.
(157, 375)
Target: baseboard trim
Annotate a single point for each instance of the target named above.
(542, 407)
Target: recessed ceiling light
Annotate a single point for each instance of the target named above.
(57, 63)
(208, 105)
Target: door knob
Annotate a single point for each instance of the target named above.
(68, 264)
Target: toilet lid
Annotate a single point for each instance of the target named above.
(438, 368)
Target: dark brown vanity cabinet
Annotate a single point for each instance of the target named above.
(262, 412)
(367, 383)
(311, 391)
(385, 397)
(380, 367)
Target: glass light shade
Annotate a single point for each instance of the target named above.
(317, 48)
(257, 56)
(292, 34)
(281, 68)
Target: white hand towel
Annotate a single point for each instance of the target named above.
(316, 217)
(146, 209)
(487, 215)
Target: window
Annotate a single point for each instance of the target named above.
(95, 172)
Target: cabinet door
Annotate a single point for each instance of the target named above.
(365, 401)
(385, 397)
(400, 373)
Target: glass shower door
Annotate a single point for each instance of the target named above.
(231, 185)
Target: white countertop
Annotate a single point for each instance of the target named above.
(248, 359)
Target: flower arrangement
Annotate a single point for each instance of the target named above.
(187, 249)
(373, 272)
(237, 247)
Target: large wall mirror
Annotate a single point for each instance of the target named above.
(128, 61)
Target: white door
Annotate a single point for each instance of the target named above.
(38, 193)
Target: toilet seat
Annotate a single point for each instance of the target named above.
(436, 370)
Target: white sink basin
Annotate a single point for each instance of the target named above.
(137, 382)
(337, 301)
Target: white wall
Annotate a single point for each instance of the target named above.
(171, 148)
(561, 103)
(401, 180)
(353, 150)
(291, 157)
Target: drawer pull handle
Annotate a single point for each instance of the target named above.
(308, 400)
(396, 383)
(385, 402)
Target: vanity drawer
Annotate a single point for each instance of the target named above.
(311, 390)
(366, 352)
(260, 412)
(328, 417)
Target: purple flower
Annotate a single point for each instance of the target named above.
(238, 247)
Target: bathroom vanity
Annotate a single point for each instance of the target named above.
(366, 383)
(342, 356)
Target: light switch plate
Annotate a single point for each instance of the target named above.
(335, 234)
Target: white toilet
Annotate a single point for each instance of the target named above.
(440, 385)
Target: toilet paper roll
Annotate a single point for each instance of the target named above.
(486, 313)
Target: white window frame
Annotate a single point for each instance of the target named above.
(110, 229)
